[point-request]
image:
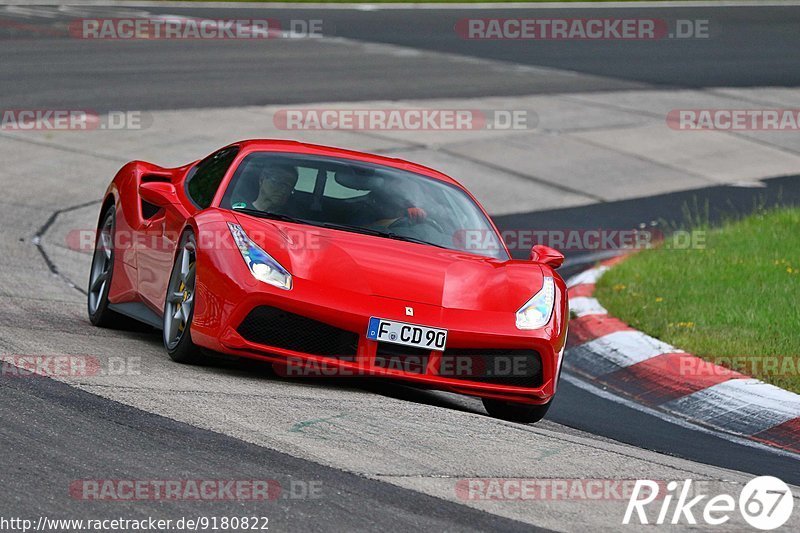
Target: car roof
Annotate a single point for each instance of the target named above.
(252, 145)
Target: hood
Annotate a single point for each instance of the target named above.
(395, 269)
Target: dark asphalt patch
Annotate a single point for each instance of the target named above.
(54, 434)
(664, 212)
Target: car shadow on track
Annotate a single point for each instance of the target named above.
(243, 367)
(374, 385)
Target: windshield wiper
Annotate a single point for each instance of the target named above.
(413, 239)
(270, 215)
(379, 233)
(354, 229)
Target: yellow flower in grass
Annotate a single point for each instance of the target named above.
(659, 299)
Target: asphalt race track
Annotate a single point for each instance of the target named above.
(385, 455)
(748, 46)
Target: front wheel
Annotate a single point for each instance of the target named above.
(179, 304)
(516, 412)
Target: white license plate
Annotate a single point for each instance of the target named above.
(406, 334)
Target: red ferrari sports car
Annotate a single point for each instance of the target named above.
(325, 261)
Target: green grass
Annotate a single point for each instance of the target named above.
(738, 297)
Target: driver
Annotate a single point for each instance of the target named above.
(276, 183)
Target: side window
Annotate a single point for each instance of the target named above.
(306, 179)
(208, 175)
(334, 189)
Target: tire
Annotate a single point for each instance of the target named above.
(100, 275)
(516, 412)
(180, 296)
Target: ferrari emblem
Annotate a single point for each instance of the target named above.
(409, 311)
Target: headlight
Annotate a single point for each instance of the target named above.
(261, 264)
(536, 312)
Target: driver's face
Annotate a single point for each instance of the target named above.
(277, 185)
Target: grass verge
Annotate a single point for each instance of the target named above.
(735, 302)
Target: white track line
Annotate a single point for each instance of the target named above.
(587, 276)
(745, 406)
(625, 348)
(583, 305)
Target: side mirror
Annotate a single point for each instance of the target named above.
(549, 256)
(158, 193)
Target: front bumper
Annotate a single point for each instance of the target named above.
(222, 305)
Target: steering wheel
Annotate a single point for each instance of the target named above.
(405, 222)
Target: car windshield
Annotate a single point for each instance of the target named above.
(361, 197)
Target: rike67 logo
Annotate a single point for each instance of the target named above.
(765, 503)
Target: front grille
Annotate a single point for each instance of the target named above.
(275, 327)
(405, 358)
(515, 368)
